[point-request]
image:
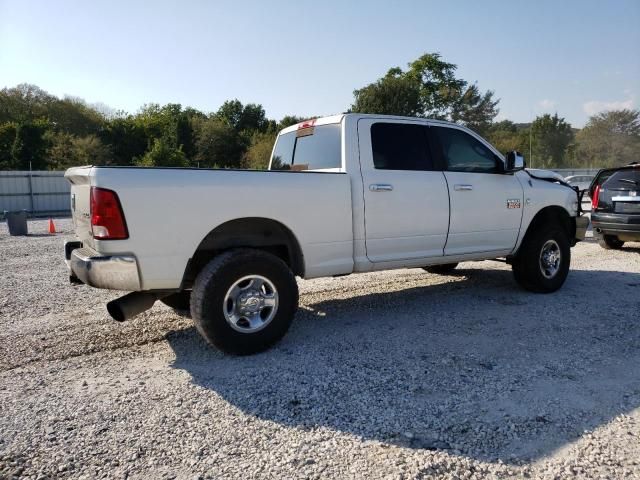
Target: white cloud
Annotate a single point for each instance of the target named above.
(546, 105)
(595, 106)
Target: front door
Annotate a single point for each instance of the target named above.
(486, 206)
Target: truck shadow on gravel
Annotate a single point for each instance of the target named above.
(475, 366)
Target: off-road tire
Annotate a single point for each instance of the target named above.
(610, 242)
(213, 283)
(441, 269)
(526, 265)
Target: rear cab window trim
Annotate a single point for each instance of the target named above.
(294, 140)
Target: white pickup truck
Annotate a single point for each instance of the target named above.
(343, 194)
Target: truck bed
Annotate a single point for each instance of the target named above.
(169, 211)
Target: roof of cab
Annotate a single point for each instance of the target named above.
(338, 118)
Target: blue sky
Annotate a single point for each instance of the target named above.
(307, 57)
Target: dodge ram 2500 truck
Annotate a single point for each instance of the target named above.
(343, 194)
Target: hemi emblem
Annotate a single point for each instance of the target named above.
(513, 203)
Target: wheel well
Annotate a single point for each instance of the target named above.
(549, 215)
(252, 232)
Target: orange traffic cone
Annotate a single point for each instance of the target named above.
(52, 227)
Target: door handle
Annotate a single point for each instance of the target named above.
(380, 187)
(463, 187)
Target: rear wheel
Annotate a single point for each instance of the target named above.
(542, 264)
(441, 269)
(243, 301)
(610, 242)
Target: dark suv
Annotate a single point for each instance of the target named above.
(615, 206)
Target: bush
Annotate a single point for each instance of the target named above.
(162, 154)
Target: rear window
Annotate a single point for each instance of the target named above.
(628, 179)
(314, 148)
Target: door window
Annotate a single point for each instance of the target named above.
(463, 153)
(400, 146)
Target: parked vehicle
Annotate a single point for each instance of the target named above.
(344, 194)
(615, 206)
(581, 181)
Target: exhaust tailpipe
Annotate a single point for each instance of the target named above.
(130, 305)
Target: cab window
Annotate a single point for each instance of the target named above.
(463, 153)
(400, 146)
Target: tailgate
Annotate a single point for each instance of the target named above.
(80, 179)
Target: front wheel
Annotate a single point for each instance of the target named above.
(610, 242)
(243, 301)
(542, 264)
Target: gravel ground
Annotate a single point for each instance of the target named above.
(398, 374)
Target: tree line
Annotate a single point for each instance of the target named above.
(41, 131)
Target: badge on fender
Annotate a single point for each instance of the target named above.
(513, 203)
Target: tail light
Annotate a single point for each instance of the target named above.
(107, 219)
(595, 197)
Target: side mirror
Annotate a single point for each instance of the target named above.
(514, 163)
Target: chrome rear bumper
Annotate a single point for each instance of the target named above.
(114, 272)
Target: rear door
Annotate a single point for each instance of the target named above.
(405, 194)
(486, 205)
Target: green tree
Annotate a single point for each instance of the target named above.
(7, 138)
(27, 103)
(61, 153)
(259, 152)
(217, 144)
(551, 136)
(609, 139)
(67, 150)
(24, 103)
(250, 117)
(72, 115)
(393, 94)
(170, 123)
(126, 138)
(428, 88)
(30, 145)
(506, 136)
(163, 154)
(475, 110)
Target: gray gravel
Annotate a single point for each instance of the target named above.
(389, 375)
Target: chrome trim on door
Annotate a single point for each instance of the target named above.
(463, 187)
